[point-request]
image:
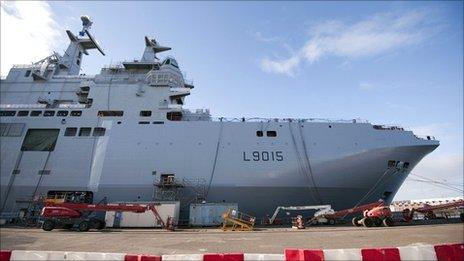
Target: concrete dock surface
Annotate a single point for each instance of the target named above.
(191, 241)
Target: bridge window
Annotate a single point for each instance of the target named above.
(49, 113)
(40, 140)
(271, 133)
(84, 132)
(259, 133)
(28, 73)
(22, 113)
(98, 131)
(62, 113)
(145, 113)
(7, 113)
(76, 113)
(70, 132)
(110, 113)
(35, 113)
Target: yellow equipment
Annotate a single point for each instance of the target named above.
(237, 221)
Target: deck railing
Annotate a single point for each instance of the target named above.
(244, 119)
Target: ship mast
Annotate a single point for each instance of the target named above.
(151, 49)
(70, 63)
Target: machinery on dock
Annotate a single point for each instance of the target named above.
(80, 215)
(378, 216)
(235, 220)
(74, 209)
(374, 212)
(321, 211)
(333, 217)
(429, 211)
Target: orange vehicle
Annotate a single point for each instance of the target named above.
(378, 216)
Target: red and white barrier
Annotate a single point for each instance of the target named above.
(445, 252)
(264, 257)
(62, 255)
(141, 258)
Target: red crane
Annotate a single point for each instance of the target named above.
(378, 216)
(345, 212)
(428, 210)
(79, 215)
(332, 217)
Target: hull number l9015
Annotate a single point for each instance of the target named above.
(263, 156)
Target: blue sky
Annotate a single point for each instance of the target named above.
(388, 62)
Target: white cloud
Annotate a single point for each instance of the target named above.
(285, 67)
(376, 35)
(28, 32)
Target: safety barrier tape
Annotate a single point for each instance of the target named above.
(445, 252)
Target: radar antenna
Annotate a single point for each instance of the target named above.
(86, 24)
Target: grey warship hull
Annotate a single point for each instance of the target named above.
(117, 133)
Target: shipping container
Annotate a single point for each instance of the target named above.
(146, 219)
(209, 214)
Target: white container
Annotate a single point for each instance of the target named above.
(146, 219)
(209, 214)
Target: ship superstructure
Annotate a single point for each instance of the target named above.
(124, 134)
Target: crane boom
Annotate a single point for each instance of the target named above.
(296, 208)
(100, 207)
(345, 212)
(68, 209)
(427, 208)
(409, 214)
